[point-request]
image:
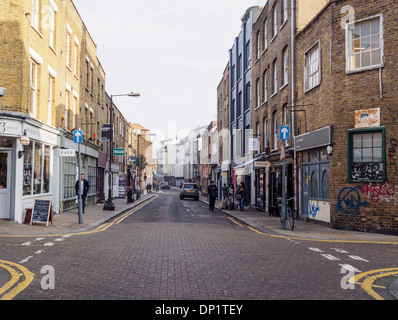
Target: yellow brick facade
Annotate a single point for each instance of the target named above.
(47, 49)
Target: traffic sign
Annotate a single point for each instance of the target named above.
(283, 152)
(285, 133)
(118, 152)
(77, 136)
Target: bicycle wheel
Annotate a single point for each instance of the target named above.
(290, 219)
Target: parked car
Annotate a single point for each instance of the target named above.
(164, 185)
(189, 190)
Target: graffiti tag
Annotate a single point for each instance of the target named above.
(371, 171)
(381, 192)
(313, 209)
(393, 150)
(349, 200)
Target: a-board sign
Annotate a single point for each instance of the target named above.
(42, 212)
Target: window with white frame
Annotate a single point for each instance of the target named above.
(76, 61)
(284, 12)
(365, 47)
(33, 87)
(258, 45)
(50, 98)
(51, 27)
(285, 67)
(265, 30)
(265, 132)
(68, 50)
(67, 103)
(274, 77)
(265, 86)
(275, 130)
(257, 93)
(312, 67)
(35, 14)
(274, 22)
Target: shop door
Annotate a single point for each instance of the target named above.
(305, 190)
(5, 184)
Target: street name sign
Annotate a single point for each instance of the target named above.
(118, 152)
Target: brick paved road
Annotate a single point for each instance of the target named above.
(173, 249)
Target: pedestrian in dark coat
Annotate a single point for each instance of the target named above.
(84, 187)
(212, 192)
(241, 195)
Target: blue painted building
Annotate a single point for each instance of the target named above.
(240, 102)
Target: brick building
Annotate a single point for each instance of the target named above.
(346, 132)
(54, 84)
(271, 102)
(223, 169)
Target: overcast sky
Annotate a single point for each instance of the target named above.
(173, 52)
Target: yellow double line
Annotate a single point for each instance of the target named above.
(119, 219)
(369, 279)
(20, 279)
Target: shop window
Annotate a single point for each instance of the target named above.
(36, 171)
(314, 185)
(325, 185)
(367, 155)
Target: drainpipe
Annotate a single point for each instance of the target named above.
(293, 89)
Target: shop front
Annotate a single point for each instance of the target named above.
(260, 168)
(27, 166)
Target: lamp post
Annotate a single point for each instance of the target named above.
(2, 91)
(109, 204)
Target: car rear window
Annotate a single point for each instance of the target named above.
(190, 186)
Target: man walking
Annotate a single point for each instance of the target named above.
(212, 192)
(84, 188)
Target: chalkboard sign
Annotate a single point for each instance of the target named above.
(42, 212)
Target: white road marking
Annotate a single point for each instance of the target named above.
(357, 258)
(330, 257)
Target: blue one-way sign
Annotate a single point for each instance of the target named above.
(78, 136)
(285, 133)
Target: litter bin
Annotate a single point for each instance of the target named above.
(130, 198)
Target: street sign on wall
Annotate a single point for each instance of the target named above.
(106, 132)
(118, 152)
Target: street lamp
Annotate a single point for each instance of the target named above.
(25, 141)
(109, 204)
(2, 91)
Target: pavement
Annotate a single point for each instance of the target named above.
(68, 223)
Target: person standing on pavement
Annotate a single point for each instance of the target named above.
(212, 192)
(241, 195)
(84, 187)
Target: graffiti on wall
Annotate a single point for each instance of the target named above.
(371, 171)
(350, 201)
(387, 192)
(313, 208)
(392, 152)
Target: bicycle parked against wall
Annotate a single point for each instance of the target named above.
(289, 213)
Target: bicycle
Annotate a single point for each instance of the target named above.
(289, 213)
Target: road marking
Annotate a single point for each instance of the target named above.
(357, 258)
(315, 249)
(26, 259)
(11, 289)
(339, 250)
(26, 244)
(349, 268)
(370, 277)
(240, 225)
(330, 257)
